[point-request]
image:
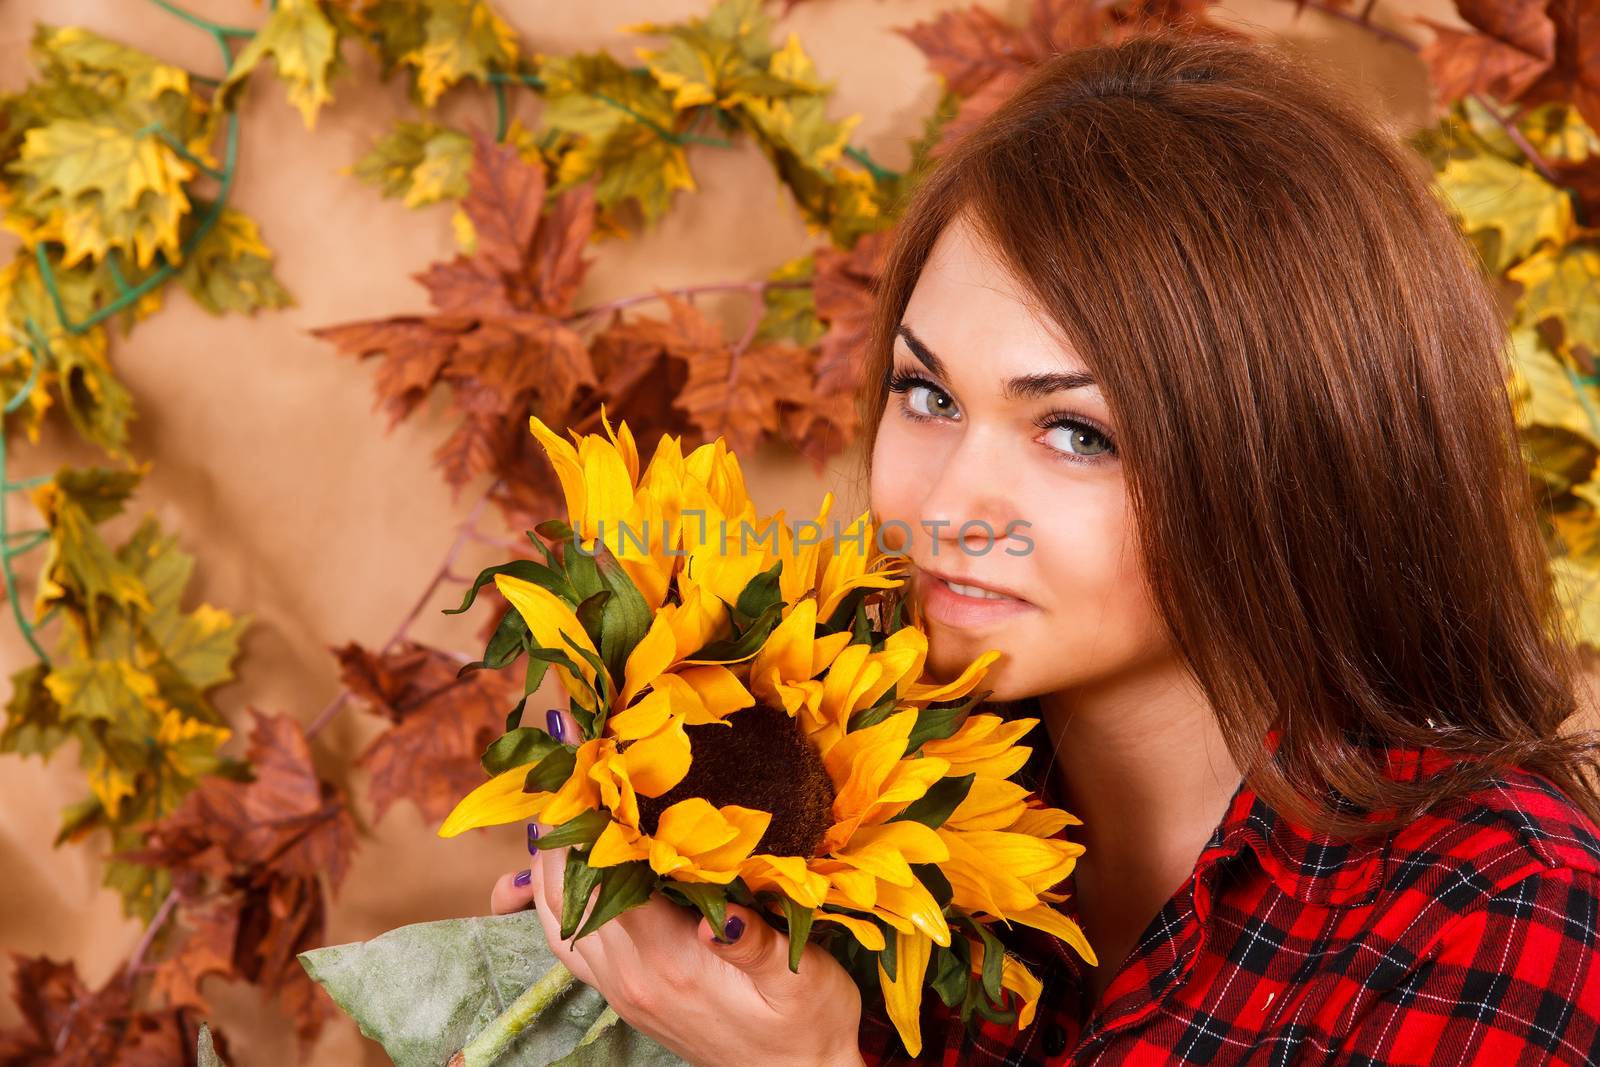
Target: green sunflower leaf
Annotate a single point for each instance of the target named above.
(579, 830)
(710, 900)
(552, 770)
(936, 805)
(577, 883)
(800, 918)
(624, 886)
(948, 974)
(935, 881)
(525, 744)
(528, 571)
(425, 990)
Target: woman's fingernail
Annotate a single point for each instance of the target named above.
(523, 877)
(731, 930)
(533, 836)
(554, 725)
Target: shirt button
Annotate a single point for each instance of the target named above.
(1055, 1040)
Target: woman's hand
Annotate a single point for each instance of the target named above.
(713, 1002)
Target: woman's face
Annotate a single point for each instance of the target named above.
(991, 424)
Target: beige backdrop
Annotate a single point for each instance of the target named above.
(272, 469)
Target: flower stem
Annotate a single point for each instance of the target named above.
(493, 1039)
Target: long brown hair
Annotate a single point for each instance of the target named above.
(1308, 372)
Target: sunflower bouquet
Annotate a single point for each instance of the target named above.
(752, 730)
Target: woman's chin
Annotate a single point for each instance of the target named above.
(948, 658)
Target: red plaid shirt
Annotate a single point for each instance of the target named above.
(1468, 937)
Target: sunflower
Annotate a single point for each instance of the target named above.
(696, 669)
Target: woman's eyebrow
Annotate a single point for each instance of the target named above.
(1025, 387)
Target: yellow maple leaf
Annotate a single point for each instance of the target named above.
(461, 39)
(1491, 193)
(1559, 284)
(96, 186)
(304, 45)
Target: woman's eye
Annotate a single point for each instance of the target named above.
(928, 401)
(1078, 439)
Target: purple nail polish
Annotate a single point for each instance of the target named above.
(533, 836)
(731, 930)
(523, 877)
(553, 724)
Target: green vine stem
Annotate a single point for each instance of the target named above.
(493, 1039)
(213, 28)
(127, 296)
(36, 344)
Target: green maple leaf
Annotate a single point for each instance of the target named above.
(101, 148)
(97, 404)
(1560, 284)
(617, 123)
(200, 645)
(230, 268)
(722, 59)
(80, 569)
(421, 162)
(1490, 193)
(303, 43)
(442, 41)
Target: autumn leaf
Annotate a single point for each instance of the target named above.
(80, 569)
(500, 339)
(739, 394)
(230, 268)
(104, 141)
(982, 58)
(1488, 192)
(205, 948)
(1527, 51)
(303, 44)
(420, 162)
(1510, 47)
(258, 849)
(65, 1022)
(843, 295)
(618, 131)
(442, 724)
(442, 41)
(722, 59)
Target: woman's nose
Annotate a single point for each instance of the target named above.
(970, 502)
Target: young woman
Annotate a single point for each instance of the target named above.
(1187, 333)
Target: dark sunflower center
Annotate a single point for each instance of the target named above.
(761, 761)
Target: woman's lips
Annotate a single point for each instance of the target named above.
(944, 604)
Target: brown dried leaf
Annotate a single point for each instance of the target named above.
(843, 285)
(442, 723)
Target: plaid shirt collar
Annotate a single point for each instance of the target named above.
(1309, 865)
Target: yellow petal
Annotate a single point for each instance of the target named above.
(618, 844)
(655, 652)
(569, 472)
(966, 683)
(1043, 822)
(695, 825)
(1043, 917)
(785, 656)
(1017, 978)
(657, 763)
(902, 995)
(549, 618)
(915, 903)
(991, 804)
(870, 934)
(624, 444)
(717, 691)
(580, 793)
(499, 800)
(789, 875)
